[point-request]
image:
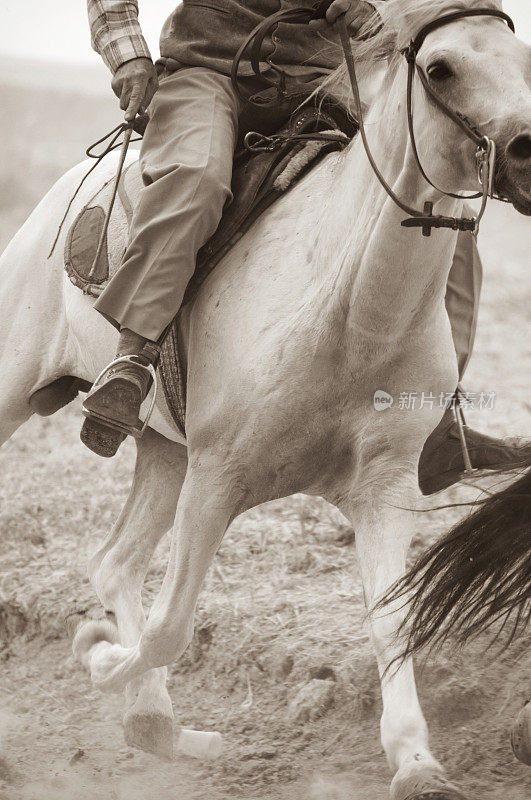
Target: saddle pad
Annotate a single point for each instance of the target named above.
(257, 181)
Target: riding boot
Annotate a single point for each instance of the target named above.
(112, 406)
(442, 463)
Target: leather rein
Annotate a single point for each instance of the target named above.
(485, 147)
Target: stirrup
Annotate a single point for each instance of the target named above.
(130, 430)
(460, 420)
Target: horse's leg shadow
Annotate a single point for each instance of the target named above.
(117, 572)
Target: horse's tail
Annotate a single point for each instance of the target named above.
(476, 575)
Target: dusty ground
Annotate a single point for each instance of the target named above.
(284, 588)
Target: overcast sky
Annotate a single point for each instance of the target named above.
(58, 29)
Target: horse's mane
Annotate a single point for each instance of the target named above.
(387, 33)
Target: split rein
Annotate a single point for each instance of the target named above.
(112, 138)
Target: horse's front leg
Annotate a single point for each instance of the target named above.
(383, 533)
(117, 572)
(207, 504)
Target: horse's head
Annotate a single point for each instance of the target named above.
(480, 69)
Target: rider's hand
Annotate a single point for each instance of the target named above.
(135, 82)
(357, 13)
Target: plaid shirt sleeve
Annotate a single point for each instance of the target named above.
(115, 31)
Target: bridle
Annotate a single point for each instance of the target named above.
(485, 147)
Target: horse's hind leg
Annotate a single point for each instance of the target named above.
(19, 368)
(117, 572)
(14, 411)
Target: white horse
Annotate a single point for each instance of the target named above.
(325, 300)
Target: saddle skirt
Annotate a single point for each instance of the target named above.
(260, 176)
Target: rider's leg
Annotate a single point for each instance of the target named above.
(441, 463)
(186, 162)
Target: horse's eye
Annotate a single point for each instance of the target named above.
(439, 71)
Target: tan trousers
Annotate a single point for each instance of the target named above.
(186, 163)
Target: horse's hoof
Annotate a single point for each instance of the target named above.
(424, 785)
(100, 439)
(90, 634)
(152, 732)
(521, 735)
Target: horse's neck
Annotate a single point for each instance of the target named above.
(391, 274)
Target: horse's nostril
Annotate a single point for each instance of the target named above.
(519, 148)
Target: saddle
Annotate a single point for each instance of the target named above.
(263, 171)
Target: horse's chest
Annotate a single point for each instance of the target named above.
(302, 455)
(304, 437)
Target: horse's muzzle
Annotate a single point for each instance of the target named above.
(513, 173)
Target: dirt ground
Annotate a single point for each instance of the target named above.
(282, 604)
